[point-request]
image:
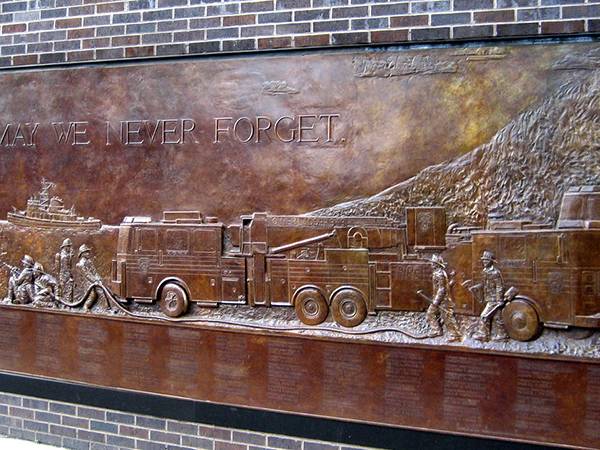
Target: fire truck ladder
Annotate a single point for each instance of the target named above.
(383, 285)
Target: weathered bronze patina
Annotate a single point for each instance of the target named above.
(198, 187)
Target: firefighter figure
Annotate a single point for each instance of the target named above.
(91, 280)
(21, 283)
(441, 310)
(45, 285)
(493, 298)
(63, 261)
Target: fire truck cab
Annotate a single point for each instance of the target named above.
(175, 261)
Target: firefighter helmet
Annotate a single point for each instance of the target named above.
(84, 249)
(437, 259)
(66, 243)
(488, 256)
(28, 261)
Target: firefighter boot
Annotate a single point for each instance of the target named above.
(91, 300)
(482, 333)
(451, 324)
(453, 331)
(498, 324)
(433, 320)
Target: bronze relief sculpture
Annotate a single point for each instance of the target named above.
(468, 252)
(346, 268)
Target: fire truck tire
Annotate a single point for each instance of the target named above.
(521, 320)
(173, 300)
(348, 308)
(311, 307)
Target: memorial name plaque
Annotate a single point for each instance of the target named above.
(407, 237)
(445, 388)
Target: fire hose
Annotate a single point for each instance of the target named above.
(114, 302)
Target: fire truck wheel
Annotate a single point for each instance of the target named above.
(311, 307)
(173, 300)
(348, 308)
(521, 320)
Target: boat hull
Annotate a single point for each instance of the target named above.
(20, 220)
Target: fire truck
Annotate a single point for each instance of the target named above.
(355, 266)
(351, 266)
(555, 269)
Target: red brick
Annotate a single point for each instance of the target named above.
(507, 15)
(121, 41)
(316, 40)
(68, 23)
(409, 21)
(219, 445)
(247, 19)
(214, 432)
(81, 33)
(278, 42)
(572, 26)
(110, 7)
(16, 28)
(389, 36)
(25, 60)
(583, 11)
(138, 52)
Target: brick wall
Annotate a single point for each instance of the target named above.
(80, 427)
(55, 31)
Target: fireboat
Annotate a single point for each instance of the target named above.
(48, 211)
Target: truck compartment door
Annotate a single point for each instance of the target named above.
(233, 279)
(408, 277)
(277, 271)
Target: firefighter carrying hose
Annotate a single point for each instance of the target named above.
(45, 285)
(494, 299)
(91, 280)
(441, 308)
